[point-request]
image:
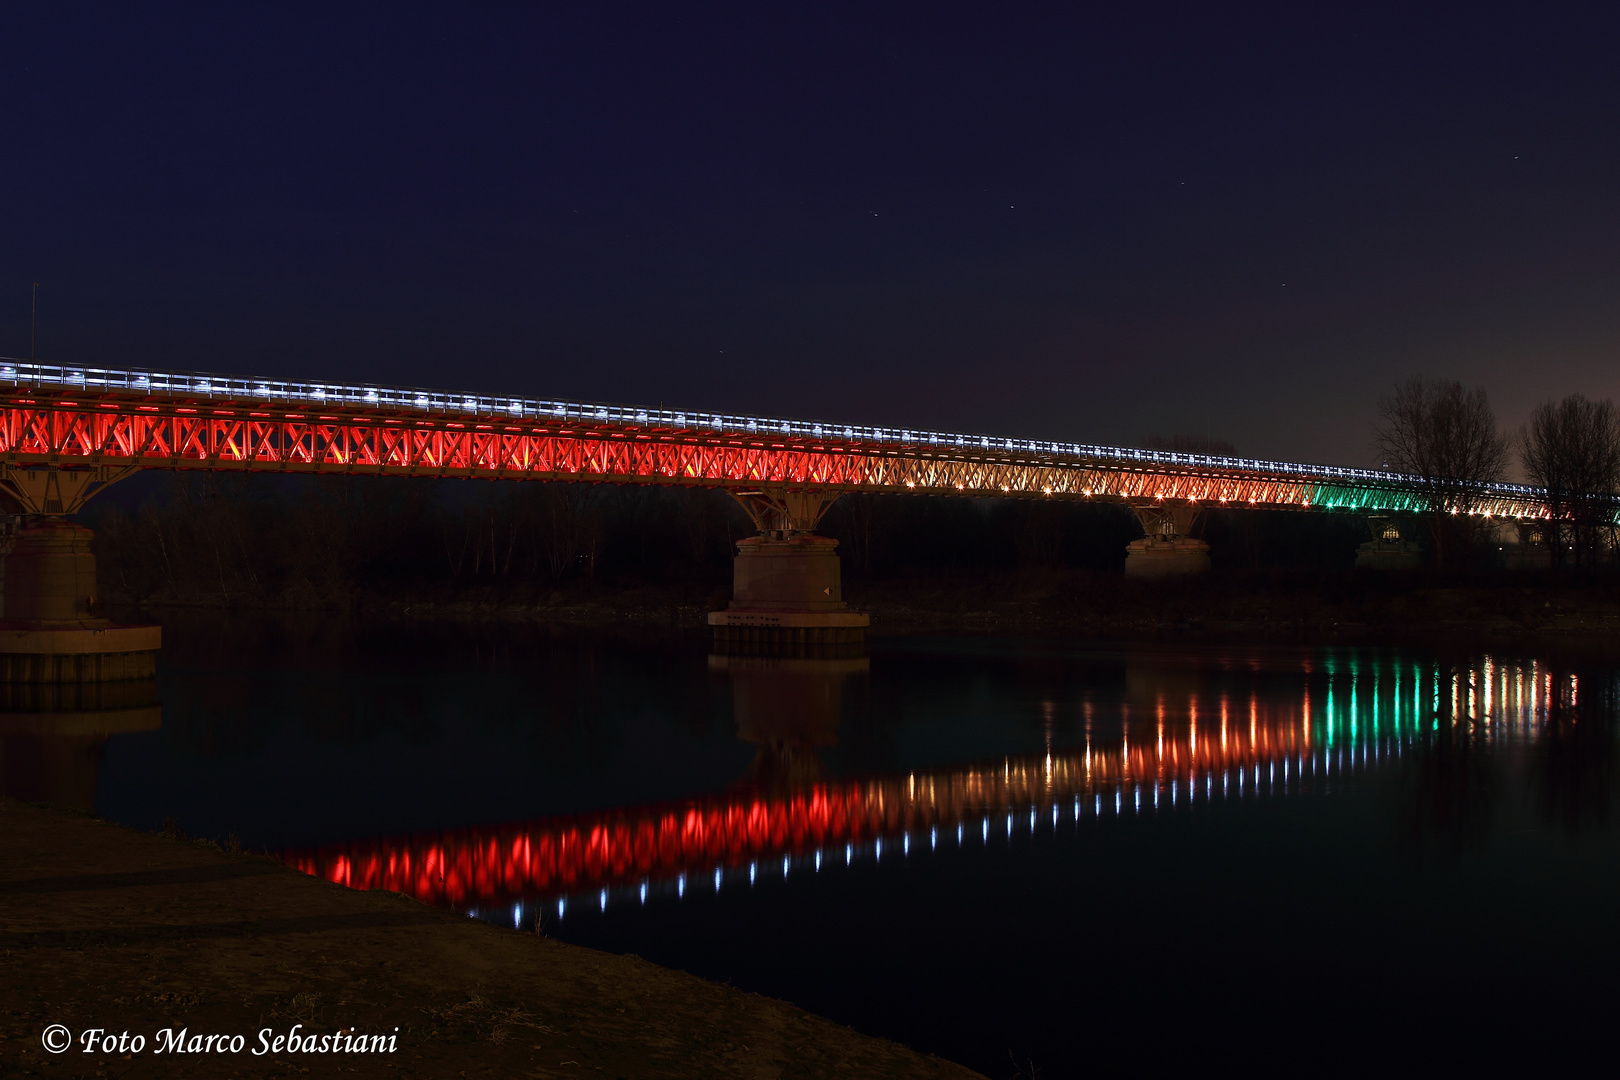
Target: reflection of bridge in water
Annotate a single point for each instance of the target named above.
(52, 735)
(1169, 752)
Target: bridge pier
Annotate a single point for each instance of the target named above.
(787, 594)
(1389, 549)
(50, 631)
(1166, 550)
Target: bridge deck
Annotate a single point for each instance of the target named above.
(73, 416)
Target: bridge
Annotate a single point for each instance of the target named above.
(68, 432)
(108, 420)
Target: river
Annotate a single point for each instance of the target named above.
(1036, 857)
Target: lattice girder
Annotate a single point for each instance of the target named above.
(151, 432)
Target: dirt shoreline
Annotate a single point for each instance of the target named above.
(105, 927)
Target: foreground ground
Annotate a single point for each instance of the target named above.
(103, 927)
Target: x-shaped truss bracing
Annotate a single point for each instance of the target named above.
(786, 483)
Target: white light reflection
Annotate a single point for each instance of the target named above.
(517, 915)
(562, 906)
(818, 859)
(680, 886)
(643, 892)
(717, 879)
(604, 899)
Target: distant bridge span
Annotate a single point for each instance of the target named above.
(66, 432)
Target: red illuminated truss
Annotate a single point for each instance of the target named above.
(118, 429)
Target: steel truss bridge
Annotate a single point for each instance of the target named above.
(66, 432)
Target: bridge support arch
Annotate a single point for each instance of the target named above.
(1166, 550)
(787, 593)
(50, 629)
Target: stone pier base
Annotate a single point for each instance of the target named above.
(107, 653)
(49, 629)
(1157, 557)
(787, 600)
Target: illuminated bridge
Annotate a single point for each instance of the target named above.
(68, 432)
(107, 420)
(1184, 755)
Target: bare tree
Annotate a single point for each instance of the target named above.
(1572, 448)
(1446, 435)
(567, 522)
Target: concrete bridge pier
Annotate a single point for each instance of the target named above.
(1391, 548)
(50, 628)
(787, 594)
(1166, 550)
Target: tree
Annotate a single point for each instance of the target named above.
(1446, 436)
(1572, 448)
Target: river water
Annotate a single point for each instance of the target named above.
(1035, 857)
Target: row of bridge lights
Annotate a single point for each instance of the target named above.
(1249, 782)
(1086, 492)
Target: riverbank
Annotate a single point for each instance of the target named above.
(108, 928)
(1227, 604)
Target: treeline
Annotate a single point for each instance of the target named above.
(1447, 435)
(258, 539)
(341, 540)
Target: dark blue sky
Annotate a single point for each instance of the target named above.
(1083, 222)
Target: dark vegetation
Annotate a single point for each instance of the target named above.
(266, 540)
(1572, 448)
(1446, 434)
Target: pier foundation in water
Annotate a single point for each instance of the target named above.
(50, 631)
(787, 600)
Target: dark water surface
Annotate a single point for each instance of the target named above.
(1023, 855)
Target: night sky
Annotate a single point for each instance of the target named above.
(1090, 222)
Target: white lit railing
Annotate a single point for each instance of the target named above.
(378, 396)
